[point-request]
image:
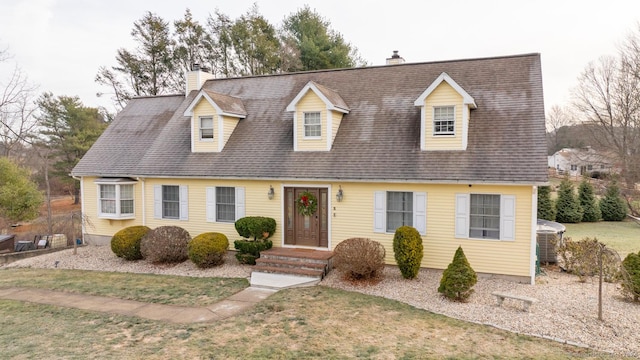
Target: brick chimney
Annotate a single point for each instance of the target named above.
(196, 78)
(395, 59)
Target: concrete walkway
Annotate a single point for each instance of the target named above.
(228, 307)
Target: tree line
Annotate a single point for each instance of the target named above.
(245, 46)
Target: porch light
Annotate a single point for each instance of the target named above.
(271, 193)
(340, 194)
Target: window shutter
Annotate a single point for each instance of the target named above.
(211, 204)
(157, 201)
(420, 212)
(507, 217)
(184, 203)
(462, 216)
(239, 202)
(379, 211)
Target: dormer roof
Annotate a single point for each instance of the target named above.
(466, 98)
(224, 104)
(330, 97)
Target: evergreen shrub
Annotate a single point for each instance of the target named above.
(208, 249)
(612, 206)
(458, 278)
(588, 202)
(631, 281)
(408, 251)
(568, 208)
(126, 242)
(546, 208)
(256, 227)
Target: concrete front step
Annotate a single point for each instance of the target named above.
(316, 273)
(280, 281)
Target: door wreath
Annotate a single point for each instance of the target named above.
(307, 203)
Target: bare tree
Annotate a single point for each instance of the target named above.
(16, 109)
(608, 99)
(558, 118)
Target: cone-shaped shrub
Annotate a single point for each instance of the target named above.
(631, 282)
(126, 242)
(458, 279)
(408, 251)
(588, 202)
(208, 249)
(568, 208)
(546, 210)
(612, 206)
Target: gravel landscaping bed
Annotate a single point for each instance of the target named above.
(566, 311)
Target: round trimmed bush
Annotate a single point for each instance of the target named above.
(631, 283)
(408, 251)
(126, 242)
(208, 249)
(360, 258)
(165, 244)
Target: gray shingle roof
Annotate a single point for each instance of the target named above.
(228, 104)
(335, 98)
(377, 141)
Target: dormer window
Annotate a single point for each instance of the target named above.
(312, 125)
(444, 120)
(206, 128)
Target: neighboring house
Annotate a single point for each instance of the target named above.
(455, 149)
(581, 161)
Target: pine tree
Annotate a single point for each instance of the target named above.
(588, 202)
(546, 210)
(612, 207)
(458, 279)
(568, 208)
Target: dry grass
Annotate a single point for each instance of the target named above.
(306, 323)
(622, 236)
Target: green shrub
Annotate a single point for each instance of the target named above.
(568, 208)
(126, 242)
(581, 259)
(612, 207)
(588, 202)
(166, 244)
(360, 258)
(546, 208)
(256, 227)
(458, 279)
(408, 251)
(631, 280)
(249, 250)
(208, 249)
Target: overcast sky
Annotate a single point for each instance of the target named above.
(60, 44)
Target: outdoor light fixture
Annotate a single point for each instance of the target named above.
(340, 194)
(271, 192)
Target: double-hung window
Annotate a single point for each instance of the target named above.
(393, 209)
(115, 198)
(485, 216)
(171, 202)
(206, 128)
(444, 121)
(312, 125)
(224, 204)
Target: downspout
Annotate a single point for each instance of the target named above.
(144, 212)
(82, 222)
(534, 224)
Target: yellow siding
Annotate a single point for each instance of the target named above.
(95, 225)
(443, 95)
(228, 124)
(353, 217)
(204, 108)
(501, 257)
(336, 120)
(311, 103)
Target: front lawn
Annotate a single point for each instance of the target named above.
(622, 236)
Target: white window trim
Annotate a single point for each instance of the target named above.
(433, 122)
(507, 217)
(118, 215)
(210, 199)
(183, 201)
(200, 128)
(304, 125)
(380, 212)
